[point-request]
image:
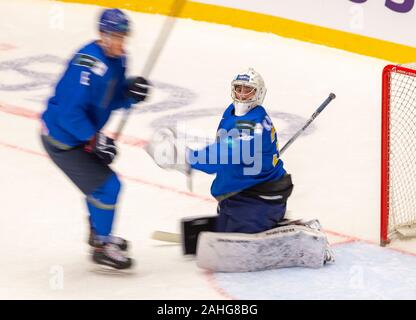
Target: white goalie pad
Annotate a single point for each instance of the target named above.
(287, 246)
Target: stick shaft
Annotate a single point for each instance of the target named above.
(155, 53)
(166, 236)
(310, 120)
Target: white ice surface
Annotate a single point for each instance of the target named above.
(43, 226)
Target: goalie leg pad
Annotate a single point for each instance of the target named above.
(288, 246)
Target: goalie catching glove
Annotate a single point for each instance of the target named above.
(103, 147)
(168, 151)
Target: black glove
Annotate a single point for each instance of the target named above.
(138, 88)
(103, 146)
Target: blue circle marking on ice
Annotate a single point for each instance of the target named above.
(361, 271)
(178, 97)
(293, 122)
(36, 79)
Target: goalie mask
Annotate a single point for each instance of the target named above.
(248, 91)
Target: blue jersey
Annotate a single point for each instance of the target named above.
(92, 87)
(246, 153)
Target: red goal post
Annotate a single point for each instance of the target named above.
(398, 153)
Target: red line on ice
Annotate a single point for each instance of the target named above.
(33, 115)
(209, 276)
(7, 46)
(213, 283)
(133, 141)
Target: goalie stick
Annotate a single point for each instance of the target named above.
(174, 237)
(323, 105)
(166, 236)
(155, 53)
(310, 120)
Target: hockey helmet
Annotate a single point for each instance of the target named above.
(114, 20)
(252, 79)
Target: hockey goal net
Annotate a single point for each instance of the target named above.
(398, 153)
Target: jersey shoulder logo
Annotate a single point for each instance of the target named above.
(99, 68)
(95, 65)
(245, 124)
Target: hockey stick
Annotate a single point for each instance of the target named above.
(294, 137)
(174, 237)
(155, 53)
(310, 120)
(167, 236)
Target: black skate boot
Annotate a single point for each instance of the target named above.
(95, 242)
(110, 255)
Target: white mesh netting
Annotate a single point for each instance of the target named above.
(402, 165)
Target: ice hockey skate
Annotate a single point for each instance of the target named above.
(95, 242)
(110, 255)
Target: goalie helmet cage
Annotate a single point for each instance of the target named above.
(398, 153)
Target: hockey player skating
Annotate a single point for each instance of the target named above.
(93, 85)
(251, 184)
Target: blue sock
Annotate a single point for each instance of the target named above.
(101, 205)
